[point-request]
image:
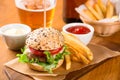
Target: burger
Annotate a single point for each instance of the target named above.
(44, 50)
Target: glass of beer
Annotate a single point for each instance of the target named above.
(31, 12)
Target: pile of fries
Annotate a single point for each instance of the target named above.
(97, 10)
(79, 52)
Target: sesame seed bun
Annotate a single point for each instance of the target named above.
(45, 39)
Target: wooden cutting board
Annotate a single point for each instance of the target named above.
(13, 75)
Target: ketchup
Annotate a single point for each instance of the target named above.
(78, 30)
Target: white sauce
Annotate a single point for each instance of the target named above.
(14, 31)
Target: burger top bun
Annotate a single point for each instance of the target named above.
(37, 67)
(45, 39)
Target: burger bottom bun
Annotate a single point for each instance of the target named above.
(37, 67)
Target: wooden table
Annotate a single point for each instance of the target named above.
(110, 70)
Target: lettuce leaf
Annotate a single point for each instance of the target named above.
(50, 58)
(23, 58)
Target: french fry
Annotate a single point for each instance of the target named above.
(79, 55)
(110, 9)
(97, 8)
(92, 10)
(76, 56)
(74, 53)
(89, 14)
(84, 59)
(75, 59)
(83, 51)
(78, 44)
(84, 12)
(68, 62)
(102, 6)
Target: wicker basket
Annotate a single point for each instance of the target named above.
(103, 28)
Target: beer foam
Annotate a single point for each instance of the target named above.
(20, 4)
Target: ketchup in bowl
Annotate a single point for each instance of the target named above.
(78, 30)
(84, 32)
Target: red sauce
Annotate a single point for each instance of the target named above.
(78, 30)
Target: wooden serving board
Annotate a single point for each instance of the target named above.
(13, 75)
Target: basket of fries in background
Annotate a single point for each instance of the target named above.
(102, 15)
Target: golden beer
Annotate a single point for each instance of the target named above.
(35, 18)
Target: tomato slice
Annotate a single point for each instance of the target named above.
(40, 52)
(55, 51)
(37, 52)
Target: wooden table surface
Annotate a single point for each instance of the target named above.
(110, 70)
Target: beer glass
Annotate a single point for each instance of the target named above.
(34, 17)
